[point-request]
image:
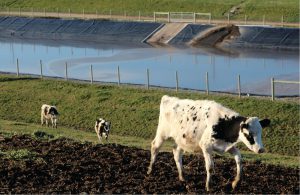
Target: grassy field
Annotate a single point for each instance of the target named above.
(132, 111)
(254, 9)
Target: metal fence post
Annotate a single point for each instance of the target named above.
(110, 13)
(169, 17)
(148, 83)
(239, 86)
(41, 66)
(154, 17)
(92, 75)
(176, 76)
(17, 67)
(282, 20)
(209, 20)
(83, 13)
(119, 80)
(139, 15)
(207, 84)
(19, 11)
(194, 17)
(66, 76)
(264, 17)
(272, 88)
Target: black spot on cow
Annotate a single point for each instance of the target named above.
(187, 119)
(207, 116)
(194, 118)
(193, 108)
(183, 135)
(195, 130)
(249, 138)
(180, 121)
(208, 108)
(228, 129)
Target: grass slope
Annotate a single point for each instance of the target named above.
(132, 111)
(254, 9)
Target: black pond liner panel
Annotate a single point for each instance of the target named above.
(79, 30)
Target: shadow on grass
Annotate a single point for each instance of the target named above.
(17, 79)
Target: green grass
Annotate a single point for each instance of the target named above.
(134, 111)
(21, 154)
(9, 128)
(254, 9)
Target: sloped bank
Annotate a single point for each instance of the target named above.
(104, 31)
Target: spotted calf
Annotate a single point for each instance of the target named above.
(49, 113)
(205, 126)
(102, 128)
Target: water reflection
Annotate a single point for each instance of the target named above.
(255, 67)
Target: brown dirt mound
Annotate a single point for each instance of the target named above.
(65, 166)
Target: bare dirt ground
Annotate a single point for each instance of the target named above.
(64, 166)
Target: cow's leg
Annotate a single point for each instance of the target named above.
(47, 124)
(237, 156)
(52, 122)
(177, 151)
(98, 135)
(209, 165)
(155, 146)
(55, 125)
(42, 120)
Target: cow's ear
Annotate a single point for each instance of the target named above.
(264, 123)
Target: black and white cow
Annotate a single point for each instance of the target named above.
(49, 113)
(205, 126)
(102, 128)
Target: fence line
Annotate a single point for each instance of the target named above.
(41, 66)
(66, 75)
(119, 80)
(177, 84)
(17, 67)
(148, 82)
(273, 82)
(92, 75)
(142, 16)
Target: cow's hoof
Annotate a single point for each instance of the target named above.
(149, 171)
(234, 185)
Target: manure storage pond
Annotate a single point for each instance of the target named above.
(256, 67)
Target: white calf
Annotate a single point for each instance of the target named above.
(102, 128)
(49, 113)
(207, 126)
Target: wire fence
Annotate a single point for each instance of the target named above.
(189, 17)
(176, 80)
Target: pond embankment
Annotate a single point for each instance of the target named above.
(105, 31)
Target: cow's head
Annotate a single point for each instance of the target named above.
(53, 111)
(250, 133)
